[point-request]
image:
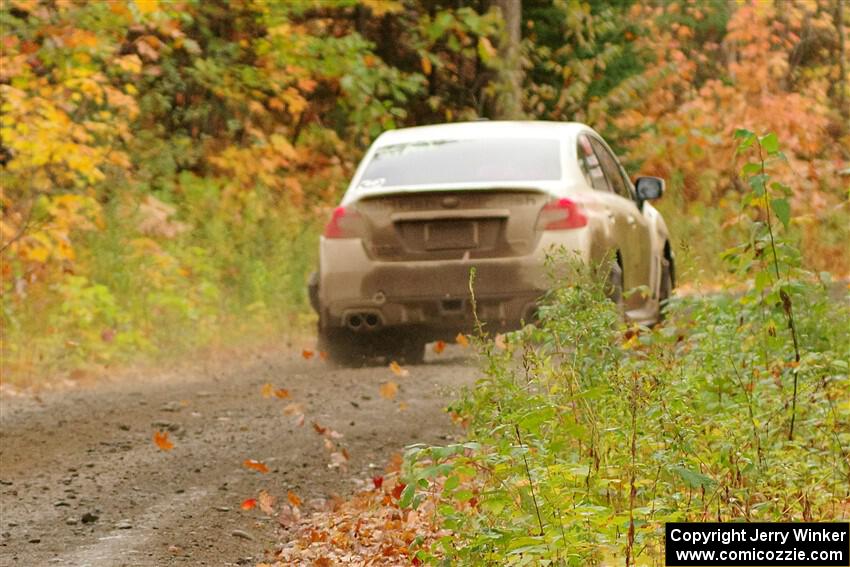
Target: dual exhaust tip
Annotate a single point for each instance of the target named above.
(363, 321)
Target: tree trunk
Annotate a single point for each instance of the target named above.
(508, 96)
(842, 62)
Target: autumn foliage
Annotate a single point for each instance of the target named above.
(165, 165)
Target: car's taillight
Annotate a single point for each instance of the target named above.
(343, 224)
(561, 214)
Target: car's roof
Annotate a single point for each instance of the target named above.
(481, 129)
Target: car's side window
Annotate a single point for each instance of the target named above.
(590, 165)
(611, 169)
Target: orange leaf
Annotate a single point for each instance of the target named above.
(307, 354)
(398, 489)
(161, 440)
(292, 409)
(439, 347)
(248, 503)
(293, 499)
(389, 390)
(267, 390)
(266, 502)
(462, 340)
(319, 429)
(398, 370)
(256, 465)
(426, 65)
(282, 393)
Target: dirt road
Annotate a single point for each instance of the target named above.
(82, 483)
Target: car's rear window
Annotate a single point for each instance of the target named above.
(463, 161)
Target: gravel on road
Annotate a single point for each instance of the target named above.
(83, 483)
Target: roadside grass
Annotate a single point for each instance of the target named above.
(158, 283)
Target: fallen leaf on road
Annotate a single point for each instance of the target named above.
(319, 429)
(378, 481)
(329, 445)
(398, 370)
(439, 347)
(299, 420)
(293, 409)
(281, 393)
(293, 499)
(403, 406)
(397, 490)
(266, 502)
(161, 440)
(248, 503)
(267, 390)
(255, 465)
(334, 434)
(339, 458)
(462, 340)
(389, 390)
(307, 354)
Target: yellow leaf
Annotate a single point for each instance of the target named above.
(462, 340)
(147, 6)
(381, 7)
(267, 390)
(398, 370)
(426, 66)
(389, 390)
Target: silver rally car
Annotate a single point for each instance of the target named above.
(427, 204)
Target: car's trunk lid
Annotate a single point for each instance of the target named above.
(451, 224)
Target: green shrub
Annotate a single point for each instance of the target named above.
(587, 434)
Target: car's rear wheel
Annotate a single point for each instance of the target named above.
(354, 350)
(342, 348)
(411, 350)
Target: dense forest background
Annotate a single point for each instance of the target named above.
(166, 165)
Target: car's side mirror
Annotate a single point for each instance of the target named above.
(649, 188)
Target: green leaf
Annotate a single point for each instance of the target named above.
(694, 479)
(770, 143)
(763, 280)
(451, 483)
(407, 496)
(782, 209)
(757, 183)
(750, 169)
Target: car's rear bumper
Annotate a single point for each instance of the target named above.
(367, 295)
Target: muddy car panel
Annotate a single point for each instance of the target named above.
(399, 256)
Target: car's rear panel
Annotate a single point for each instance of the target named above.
(410, 258)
